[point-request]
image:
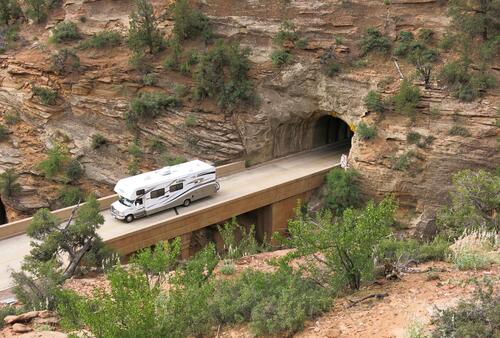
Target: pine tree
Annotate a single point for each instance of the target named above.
(143, 31)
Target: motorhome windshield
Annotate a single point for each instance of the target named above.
(125, 202)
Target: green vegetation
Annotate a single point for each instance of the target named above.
(11, 118)
(70, 195)
(342, 190)
(457, 130)
(143, 33)
(4, 132)
(64, 31)
(57, 156)
(44, 269)
(101, 40)
(48, 96)
(8, 183)
(7, 311)
(37, 9)
(73, 170)
(9, 10)
(245, 246)
(366, 132)
(332, 68)
(156, 145)
(347, 244)
(301, 43)
(222, 73)
(471, 260)
(474, 203)
(476, 317)
(150, 79)
(169, 160)
(228, 268)
(65, 61)
(147, 105)
(395, 251)
(190, 121)
(286, 34)
(404, 161)
(374, 102)
(407, 99)
(189, 23)
(413, 138)
(98, 140)
(464, 84)
(374, 41)
(281, 57)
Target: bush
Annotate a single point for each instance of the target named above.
(474, 203)
(146, 106)
(223, 73)
(65, 61)
(465, 86)
(403, 162)
(101, 40)
(342, 190)
(471, 260)
(477, 317)
(69, 196)
(73, 170)
(246, 245)
(169, 160)
(155, 145)
(281, 57)
(4, 132)
(98, 140)
(7, 311)
(373, 102)
(143, 32)
(47, 96)
(8, 185)
(366, 132)
(407, 98)
(287, 33)
(11, 118)
(37, 9)
(347, 245)
(374, 41)
(392, 250)
(9, 10)
(57, 156)
(301, 43)
(332, 68)
(64, 31)
(189, 23)
(150, 79)
(413, 138)
(227, 269)
(459, 131)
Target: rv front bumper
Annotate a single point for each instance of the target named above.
(116, 215)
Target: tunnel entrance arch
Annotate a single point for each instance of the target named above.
(301, 135)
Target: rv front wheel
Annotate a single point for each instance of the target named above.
(187, 202)
(129, 218)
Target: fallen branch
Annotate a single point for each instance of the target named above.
(399, 69)
(375, 295)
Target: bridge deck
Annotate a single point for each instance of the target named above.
(237, 187)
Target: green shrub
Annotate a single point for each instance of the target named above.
(342, 190)
(407, 98)
(373, 102)
(98, 140)
(156, 145)
(143, 32)
(147, 106)
(476, 317)
(287, 33)
(139, 62)
(70, 195)
(457, 130)
(222, 73)
(185, 68)
(65, 61)
(366, 132)
(8, 183)
(301, 43)
(403, 162)
(190, 23)
(281, 57)
(332, 68)
(57, 156)
(347, 245)
(246, 245)
(471, 260)
(474, 203)
(133, 166)
(150, 79)
(4, 132)
(101, 40)
(73, 170)
(9, 10)
(402, 251)
(7, 311)
(47, 96)
(227, 269)
(426, 35)
(374, 41)
(11, 118)
(190, 121)
(135, 150)
(37, 9)
(465, 85)
(413, 138)
(64, 31)
(169, 160)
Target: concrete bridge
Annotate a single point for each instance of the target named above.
(269, 190)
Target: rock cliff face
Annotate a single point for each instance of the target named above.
(292, 100)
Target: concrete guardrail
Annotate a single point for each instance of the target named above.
(19, 227)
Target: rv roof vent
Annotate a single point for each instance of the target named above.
(165, 171)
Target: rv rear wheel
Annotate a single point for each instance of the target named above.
(129, 218)
(186, 202)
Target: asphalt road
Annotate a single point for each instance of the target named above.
(272, 173)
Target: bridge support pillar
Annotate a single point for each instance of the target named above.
(186, 245)
(274, 217)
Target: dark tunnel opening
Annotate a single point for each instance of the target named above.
(3, 213)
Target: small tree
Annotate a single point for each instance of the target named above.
(73, 170)
(8, 183)
(373, 102)
(474, 203)
(37, 9)
(189, 23)
(57, 156)
(9, 9)
(341, 253)
(407, 98)
(476, 17)
(143, 32)
(342, 190)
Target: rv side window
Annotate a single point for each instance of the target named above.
(140, 192)
(176, 187)
(157, 193)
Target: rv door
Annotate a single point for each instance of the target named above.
(139, 207)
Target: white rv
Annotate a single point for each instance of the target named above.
(165, 188)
